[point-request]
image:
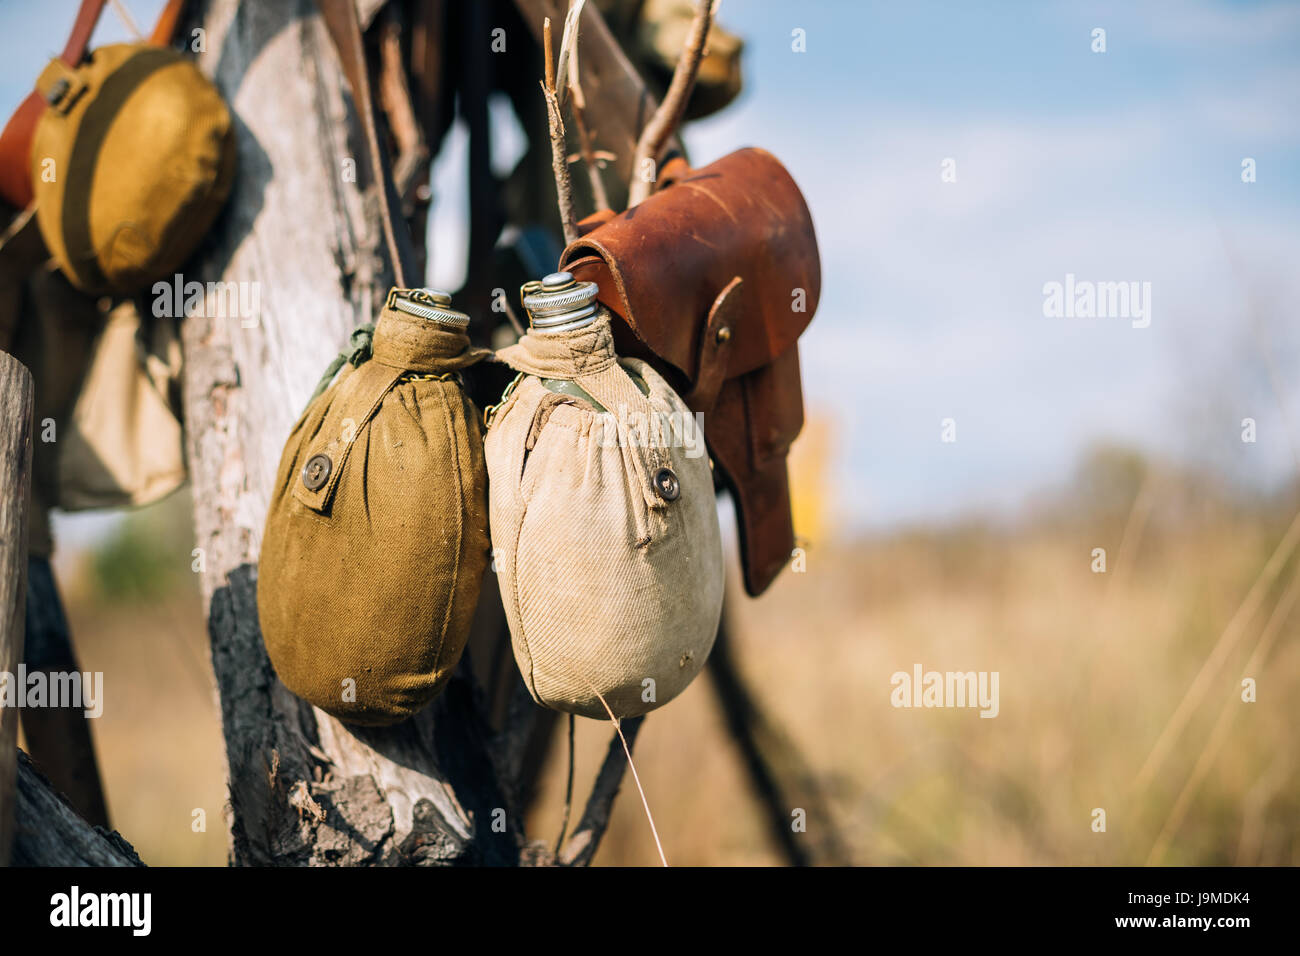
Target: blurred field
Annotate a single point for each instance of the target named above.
(134, 609)
(1091, 668)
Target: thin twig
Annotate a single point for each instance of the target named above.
(514, 319)
(568, 46)
(670, 112)
(568, 790)
(596, 815)
(582, 846)
(548, 54)
(555, 126)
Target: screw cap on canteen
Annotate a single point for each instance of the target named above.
(559, 303)
(431, 304)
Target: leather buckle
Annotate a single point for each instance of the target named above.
(59, 85)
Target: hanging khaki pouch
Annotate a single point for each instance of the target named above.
(107, 388)
(604, 526)
(130, 164)
(125, 445)
(376, 538)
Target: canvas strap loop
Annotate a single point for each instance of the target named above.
(59, 85)
(633, 421)
(360, 348)
(585, 357)
(565, 355)
(350, 409)
(412, 345)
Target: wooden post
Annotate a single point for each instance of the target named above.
(302, 226)
(50, 832)
(16, 398)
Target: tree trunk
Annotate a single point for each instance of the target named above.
(16, 398)
(304, 788)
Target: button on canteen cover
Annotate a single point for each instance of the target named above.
(604, 524)
(376, 539)
(316, 471)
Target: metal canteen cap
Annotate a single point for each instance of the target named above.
(558, 303)
(431, 304)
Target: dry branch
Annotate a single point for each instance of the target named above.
(568, 44)
(412, 159)
(595, 817)
(778, 774)
(619, 101)
(555, 129)
(669, 115)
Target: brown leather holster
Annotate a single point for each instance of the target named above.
(715, 276)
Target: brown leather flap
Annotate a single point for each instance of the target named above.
(661, 265)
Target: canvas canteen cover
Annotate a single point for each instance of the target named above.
(376, 540)
(604, 523)
(130, 164)
(123, 444)
(107, 387)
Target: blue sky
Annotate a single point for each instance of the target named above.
(1123, 165)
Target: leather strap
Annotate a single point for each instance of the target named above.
(165, 29)
(711, 366)
(344, 27)
(82, 28)
(15, 145)
(16, 140)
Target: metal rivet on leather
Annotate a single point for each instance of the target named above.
(724, 335)
(316, 472)
(667, 485)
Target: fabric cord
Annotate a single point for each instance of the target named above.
(360, 349)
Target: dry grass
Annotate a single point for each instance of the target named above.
(1085, 690)
(1086, 686)
(159, 738)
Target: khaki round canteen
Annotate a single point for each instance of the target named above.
(130, 165)
(376, 539)
(604, 522)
